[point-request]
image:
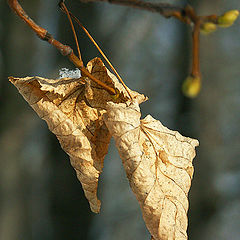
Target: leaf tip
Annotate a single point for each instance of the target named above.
(11, 79)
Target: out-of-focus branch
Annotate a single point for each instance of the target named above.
(165, 9)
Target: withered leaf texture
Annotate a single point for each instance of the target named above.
(158, 163)
(73, 110)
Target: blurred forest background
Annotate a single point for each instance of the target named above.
(40, 196)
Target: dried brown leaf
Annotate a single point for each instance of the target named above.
(73, 110)
(158, 163)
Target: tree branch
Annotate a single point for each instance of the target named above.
(165, 9)
(65, 50)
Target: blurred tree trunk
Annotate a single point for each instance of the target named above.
(19, 157)
(39, 193)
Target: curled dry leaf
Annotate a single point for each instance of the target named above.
(73, 110)
(158, 163)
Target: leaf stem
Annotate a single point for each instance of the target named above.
(101, 52)
(64, 8)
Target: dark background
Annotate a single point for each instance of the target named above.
(40, 196)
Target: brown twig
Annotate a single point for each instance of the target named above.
(195, 50)
(165, 9)
(197, 21)
(64, 49)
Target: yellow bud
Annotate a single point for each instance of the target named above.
(116, 96)
(191, 86)
(228, 18)
(208, 27)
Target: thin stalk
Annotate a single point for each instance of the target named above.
(195, 50)
(101, 52)
(62, 5)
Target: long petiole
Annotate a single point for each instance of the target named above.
(63, 6)
(99, 49)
